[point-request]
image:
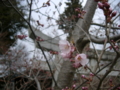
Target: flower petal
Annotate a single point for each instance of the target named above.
(84, 61)
(64, 46)
(83, 56)
(65, 55)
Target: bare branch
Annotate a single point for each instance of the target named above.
(97, 24)
(102, 40)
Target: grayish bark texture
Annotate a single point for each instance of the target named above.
(38, 83)
(66, 74)
(84, 23)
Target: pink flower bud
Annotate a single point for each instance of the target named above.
(107, 5)
(79, 16)
(118, 88)
(77, 65)
(116, 47)
(91, 74)
(83, 88)
(114, 14)
(100, 5)
(51, 52)
(112, 41)
(110, 47)
(76, 10)
(21, 36)
(83, 11)
(83, 76)
(74, 86)
(110, 80)
(41, 40)
(56, 52)
(66, 87)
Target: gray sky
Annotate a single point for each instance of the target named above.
(53, 31)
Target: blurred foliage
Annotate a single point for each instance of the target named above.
(10, 22)
(69, 17)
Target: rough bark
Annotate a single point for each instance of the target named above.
(85, 22)
(65, 76)
(78, 35)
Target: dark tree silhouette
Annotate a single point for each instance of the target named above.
(10, 23)
(69, 17)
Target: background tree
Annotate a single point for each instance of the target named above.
(69, 17)
(10, 23)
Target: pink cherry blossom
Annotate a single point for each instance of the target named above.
(66, 49)
(64, 46)
(77, 65)
(72, 48)
(81, 59)
(66, 55)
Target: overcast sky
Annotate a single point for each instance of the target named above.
(28, 43)
(49, 11)
(53, 30)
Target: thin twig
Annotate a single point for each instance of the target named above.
(95, 74)
(37, 42)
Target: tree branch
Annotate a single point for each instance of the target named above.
(115, 87)
(104, 26)
(113, 63)
(38, 83)
(102, 40)
(95, 75)
(30, 11)
(37, 42)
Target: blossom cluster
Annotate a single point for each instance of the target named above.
(108, 12)
(114, 45)
(39, 39)
(89, 79)
(81, 12)
(40, 23)
(21, 36)
(72, 88)
(46, 4)
(54, 52)
(67, 51)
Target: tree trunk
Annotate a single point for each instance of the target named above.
(84, 23)
(66, 73)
